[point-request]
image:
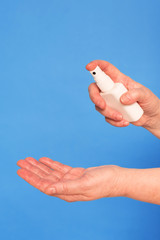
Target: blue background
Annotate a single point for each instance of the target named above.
(46, 111)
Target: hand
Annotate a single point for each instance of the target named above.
(136, 93)
(70, 184)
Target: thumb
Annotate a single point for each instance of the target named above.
(134, 95)
(66, 188)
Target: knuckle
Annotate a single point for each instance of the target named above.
(130, 95)
(113, 115)
(145, 91)
(136, 92)
(133, 92)
(139, 94)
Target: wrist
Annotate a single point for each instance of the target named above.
(119, 188)
(153, 124)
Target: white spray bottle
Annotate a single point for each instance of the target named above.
(111, 92)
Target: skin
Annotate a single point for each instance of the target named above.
(70, 184)
(78, 184)
(149, 102)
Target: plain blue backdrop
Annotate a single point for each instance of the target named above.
(46, 111)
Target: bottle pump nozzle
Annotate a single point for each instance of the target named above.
(103, 81)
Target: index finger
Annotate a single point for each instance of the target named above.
(112, 72)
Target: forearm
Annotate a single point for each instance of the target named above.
(141, 184)
(155, 132)
(156, 129)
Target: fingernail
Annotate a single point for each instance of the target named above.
(125, 123)
(125, 98)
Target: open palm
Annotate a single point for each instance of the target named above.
(70, 184)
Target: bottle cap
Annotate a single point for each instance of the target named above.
(103, 81)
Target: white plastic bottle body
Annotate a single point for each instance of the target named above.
(131, 113)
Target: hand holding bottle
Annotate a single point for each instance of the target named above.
(136, 93)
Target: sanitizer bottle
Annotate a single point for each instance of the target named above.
(111, 92)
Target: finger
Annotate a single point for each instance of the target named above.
(134, 95)
(57, 174)
(112, 72)
(70, 187)
(26, 165)
(33, 179)
(94, 94)
(55, 165)
(43, 167)
(105, 66)
(39, 165)
(122, 123)
(110, 113)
